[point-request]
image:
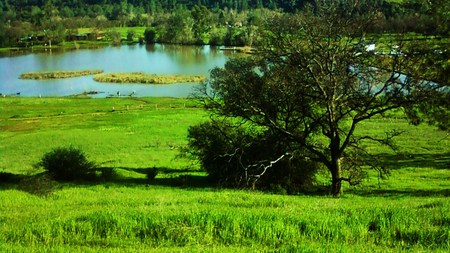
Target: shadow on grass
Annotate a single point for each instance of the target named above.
(394, 193)
(42, 185)
(398, 161)
(155, 176)
(193, 179)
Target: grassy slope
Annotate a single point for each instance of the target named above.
(113, 132)
(410, 212)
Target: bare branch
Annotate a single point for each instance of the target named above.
(264, 168)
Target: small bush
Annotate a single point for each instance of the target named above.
(67, 164)
(130, 35)
(150, 35)
(115, 37)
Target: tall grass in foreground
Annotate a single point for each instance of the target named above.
(120, 217)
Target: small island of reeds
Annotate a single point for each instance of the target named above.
(58, 74)
(144, 78)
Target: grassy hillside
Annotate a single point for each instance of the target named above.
(130, 133)
(179, 212)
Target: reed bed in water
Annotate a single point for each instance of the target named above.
(139, 77)
(59, 74)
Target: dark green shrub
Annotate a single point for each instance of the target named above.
(150, 35)
(131, 35)
(237, 157)
(67, 164)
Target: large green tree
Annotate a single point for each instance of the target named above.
(315, 81)
(202, 22)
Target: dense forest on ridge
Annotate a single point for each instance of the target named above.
(225, 22)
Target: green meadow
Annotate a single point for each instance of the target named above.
(178, 211)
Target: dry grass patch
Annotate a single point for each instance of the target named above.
(58, 74)
(139, 77)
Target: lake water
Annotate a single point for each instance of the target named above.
(158, 59)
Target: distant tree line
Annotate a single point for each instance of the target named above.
(230, 22)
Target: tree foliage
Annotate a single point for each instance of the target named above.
(314, 83)
(237, 156)
(217, 22)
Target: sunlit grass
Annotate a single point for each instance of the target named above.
(117, 216)
(129, 132)
(180, 212)
(139, 31)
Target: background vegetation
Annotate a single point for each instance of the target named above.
(228, 22)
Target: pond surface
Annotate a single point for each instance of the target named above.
(158, 59)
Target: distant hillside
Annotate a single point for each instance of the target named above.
(224, 22)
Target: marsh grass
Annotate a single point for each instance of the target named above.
(139, 77)
(58, 74)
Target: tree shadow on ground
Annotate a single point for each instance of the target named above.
(162, 177)
(397, 161)
(193, 179)
(394, 193)
(42, 184)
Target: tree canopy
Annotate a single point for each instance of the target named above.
(313, 83)
(226, 22)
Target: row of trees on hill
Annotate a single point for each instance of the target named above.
(230, 22)
(71, 8)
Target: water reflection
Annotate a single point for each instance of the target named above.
(159, 59)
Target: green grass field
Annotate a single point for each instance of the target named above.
(180, 212)
(139, 31)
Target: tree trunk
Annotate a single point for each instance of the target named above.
(336, 176)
